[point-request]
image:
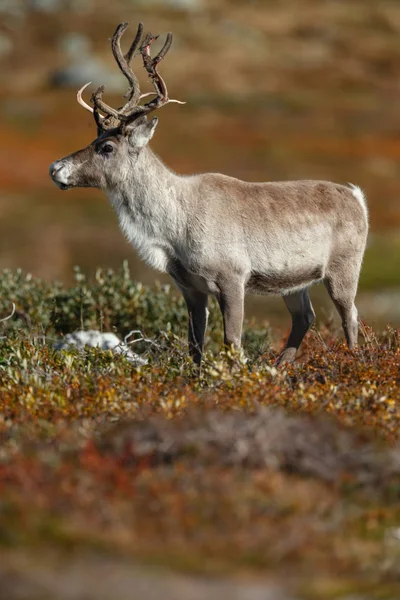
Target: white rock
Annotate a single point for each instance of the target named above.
(97, 339)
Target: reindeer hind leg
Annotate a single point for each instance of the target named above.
(342, 288)
(300, 307)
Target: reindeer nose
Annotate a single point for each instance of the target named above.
(54, 167)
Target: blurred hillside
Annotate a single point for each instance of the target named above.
(274, 90)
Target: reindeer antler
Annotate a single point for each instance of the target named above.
(150, 64)
(133, 94)
(131, 109)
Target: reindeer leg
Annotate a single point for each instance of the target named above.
(196, 303)
(231, 302)
(342, 290)
(300, 307)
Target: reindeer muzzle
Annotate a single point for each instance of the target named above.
(60, 174)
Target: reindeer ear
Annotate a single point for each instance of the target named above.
(142, 132)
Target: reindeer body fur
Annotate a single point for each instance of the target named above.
(276, 237)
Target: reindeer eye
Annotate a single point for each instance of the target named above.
(107, 148)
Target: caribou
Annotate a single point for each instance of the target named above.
(215, 234)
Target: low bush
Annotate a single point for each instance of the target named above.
(111, 301)
(241, 467)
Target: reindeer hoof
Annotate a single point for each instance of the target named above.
(287, 356)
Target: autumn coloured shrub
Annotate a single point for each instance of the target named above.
(111, 301)
(239, 468)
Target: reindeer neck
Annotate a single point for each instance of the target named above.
(147, 184)
(150, 206)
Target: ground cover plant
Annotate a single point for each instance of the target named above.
(289, 476)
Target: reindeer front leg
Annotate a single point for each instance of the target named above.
(196, 303)
(231, 302)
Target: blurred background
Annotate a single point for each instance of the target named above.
(275, 89)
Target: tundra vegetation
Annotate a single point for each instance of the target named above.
(292, 474)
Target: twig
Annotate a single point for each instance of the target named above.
(9, 316)
(140, 339)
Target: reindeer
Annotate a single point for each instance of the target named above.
(215, 234)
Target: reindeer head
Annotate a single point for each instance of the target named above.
(121, 133)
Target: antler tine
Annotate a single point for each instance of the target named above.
(123, 62)
(99, 119)
(164, 49)
(135, 43)
(150, 65)
(100, 105)
(81, 100)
